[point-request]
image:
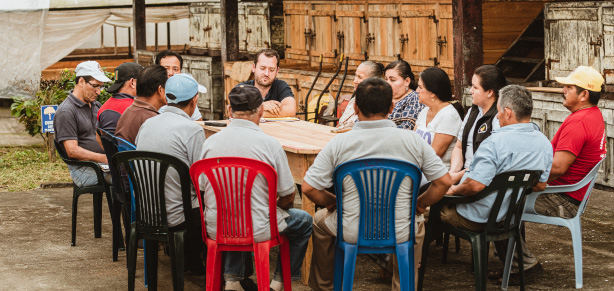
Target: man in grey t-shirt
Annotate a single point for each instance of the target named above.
(75, 122)
(373, 137)
(244, 138)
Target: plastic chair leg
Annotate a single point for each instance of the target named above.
(457, 244)
(507, 269)
(152, 264)
(286, 270)
(145, 262)
(97, 214)
(261, 255)
(446, 243)
(132, 258)
(118, 240)
(478, 247)
(425, 251)
(338, 277)
(349, 266)
(576, 238)
(73, 233)
(520, 260)
(214, 267)
(406, 274)
(176, 244)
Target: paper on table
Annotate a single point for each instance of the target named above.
(279, 119)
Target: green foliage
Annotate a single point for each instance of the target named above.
(50, 92)
(25, 168)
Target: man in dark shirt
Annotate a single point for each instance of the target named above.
(150, 97)
(278, 97)
(75, 122)
(124, 90)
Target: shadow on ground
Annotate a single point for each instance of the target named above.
(35, 239)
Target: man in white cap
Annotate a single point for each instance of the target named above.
(173, 133)
(578, 146)
(75, 122)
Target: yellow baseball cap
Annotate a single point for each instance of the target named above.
(584, 77)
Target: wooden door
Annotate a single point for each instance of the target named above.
(444, 42)
(323, 25)
(573, 37)
(297, 21)
(198, 21)
(257, 30)
(607, 64)
(383, 31)
(418, 35)
(351, 31)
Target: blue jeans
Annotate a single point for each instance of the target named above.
(298, 231)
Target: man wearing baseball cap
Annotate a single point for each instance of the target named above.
(124, 91)
(244, 138)
(578, 146)
(75, 122)
(173, 133)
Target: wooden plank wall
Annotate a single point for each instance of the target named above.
(503, 22)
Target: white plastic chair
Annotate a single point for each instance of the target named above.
(573, 224)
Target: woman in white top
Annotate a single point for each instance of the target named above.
(439, 122)
(366, 69)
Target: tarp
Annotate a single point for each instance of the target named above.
(33, 37)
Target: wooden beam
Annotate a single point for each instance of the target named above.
(230, 30)
(468, 42)
(140, 37)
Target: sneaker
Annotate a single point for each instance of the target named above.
(233, 286)
(276, 286)
(248, 285)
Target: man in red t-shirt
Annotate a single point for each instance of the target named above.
(124, 90)
(578, 146)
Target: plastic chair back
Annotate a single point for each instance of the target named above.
(124, 145)
(147, 172)
(232, 179)
(377, 181)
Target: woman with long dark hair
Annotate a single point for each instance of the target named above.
(399, 76)
(439, 122)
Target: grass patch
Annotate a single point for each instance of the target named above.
(25, 168)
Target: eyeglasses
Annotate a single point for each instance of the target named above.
(96, 87)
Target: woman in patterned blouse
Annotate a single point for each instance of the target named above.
(404, 97)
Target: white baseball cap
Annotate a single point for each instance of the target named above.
(93, 69)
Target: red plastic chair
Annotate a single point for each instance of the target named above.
(234, 217)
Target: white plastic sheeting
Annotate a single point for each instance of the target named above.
(33, 38)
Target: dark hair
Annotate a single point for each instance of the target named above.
(85, 78)
(169, 53)
(404, 70)
(491, 78)
(593, 97)
(374, 97)
(150, 79)
(376, 70)
(269, 53)
(182, 104)
(437, 81)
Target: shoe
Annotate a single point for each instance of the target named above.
(528, 274)
(249, 285)
(233, 286)
(195, 271)
(276, 286)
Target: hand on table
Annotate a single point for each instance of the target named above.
(272, 106)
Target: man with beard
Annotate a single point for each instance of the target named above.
(278, 97)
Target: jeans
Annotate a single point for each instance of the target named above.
(298, 232)
(86, 176)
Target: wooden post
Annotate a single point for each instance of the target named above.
(168, 35)
(156, 39)
(140, 37)
(230, 30)
(468, 46)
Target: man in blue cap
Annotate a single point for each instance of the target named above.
(173, 133)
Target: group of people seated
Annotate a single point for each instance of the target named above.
(392, 115)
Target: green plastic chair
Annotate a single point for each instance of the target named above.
(97, 190)
(516, 184)
(147, 173)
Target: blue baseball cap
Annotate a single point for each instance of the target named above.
(182, 87)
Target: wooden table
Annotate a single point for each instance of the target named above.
(302, 141)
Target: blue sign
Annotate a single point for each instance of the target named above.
(47, 114)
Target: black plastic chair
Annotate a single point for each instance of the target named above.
(119, 195)
(97, 190)
(519, 183)
(147, 173)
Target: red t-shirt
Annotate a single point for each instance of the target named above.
(582, 134)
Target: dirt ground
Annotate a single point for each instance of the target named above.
(35, 239)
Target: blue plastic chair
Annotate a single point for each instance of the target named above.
(377, 181)
(573, 224)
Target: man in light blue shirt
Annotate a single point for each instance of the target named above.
(517, 145)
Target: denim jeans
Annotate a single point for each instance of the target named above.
(298, 232)
(86, 176)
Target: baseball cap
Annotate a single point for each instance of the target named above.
(182, 87)
(123, 73)
(93, 69)
(244, 98)
(584, 77)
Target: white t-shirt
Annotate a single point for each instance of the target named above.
(447, 121)
(348, 118)
(469, 152)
